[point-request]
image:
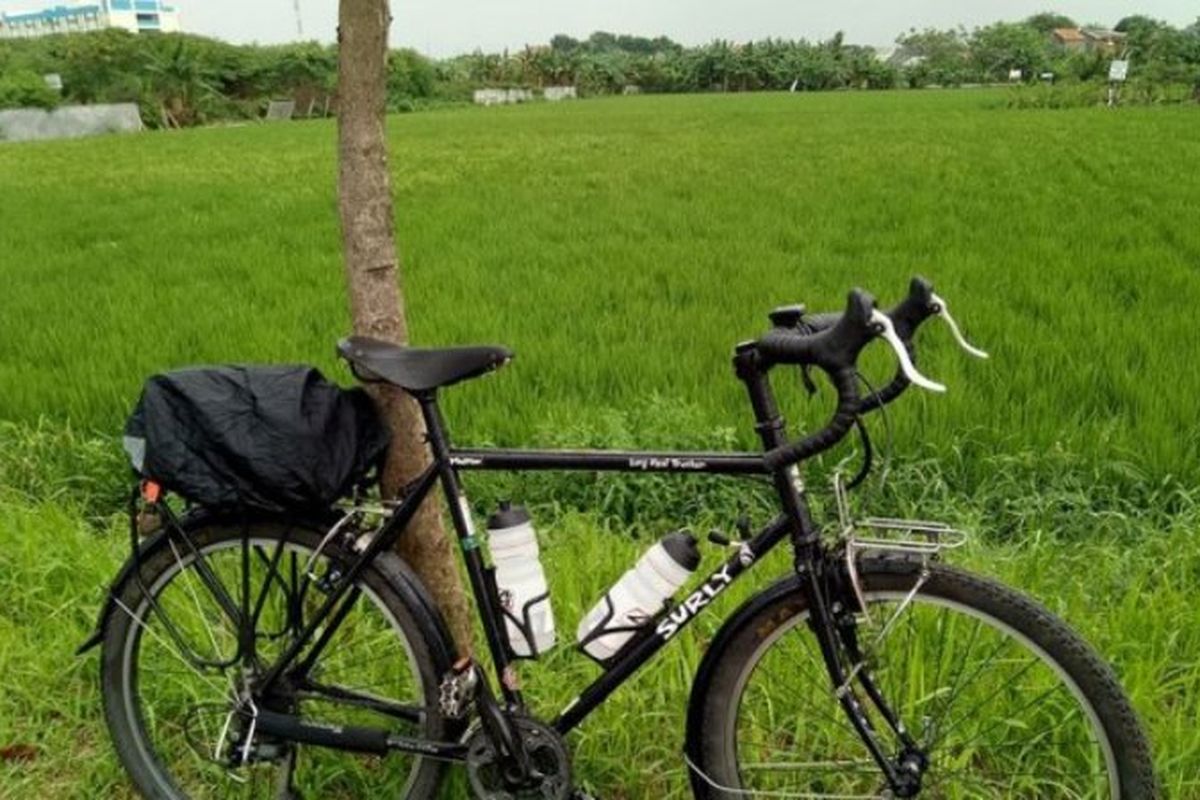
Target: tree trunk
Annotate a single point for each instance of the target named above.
(372, 277)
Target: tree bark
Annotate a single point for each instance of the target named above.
(373, 282)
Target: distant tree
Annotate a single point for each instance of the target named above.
(1083, 65)
(104, 67)
(562, 43)
(601, 41)
(664, 44)
(1048, 21)
(26, 89)
(1138, 23)
(944, 57)
(307, 69)
(182, 84)
(410, 76)
(866, 71)
(1159, 51)
(234, 80)
(1003, 46)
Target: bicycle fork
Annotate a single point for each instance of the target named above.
(832, 620)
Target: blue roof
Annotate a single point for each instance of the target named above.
(68, 12)
(58, 12)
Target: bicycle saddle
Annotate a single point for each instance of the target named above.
(419, 369)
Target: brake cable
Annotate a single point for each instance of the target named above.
(865, 438)
(868, 455)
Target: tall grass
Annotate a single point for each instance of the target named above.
(1134, 600)
(623, 246)
(1121, 569)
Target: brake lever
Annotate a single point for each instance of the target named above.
(944, 312)
(883, 324)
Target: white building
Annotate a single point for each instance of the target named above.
(72, 16)
(556, 93)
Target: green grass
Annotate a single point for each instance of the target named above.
(1133, 602)
(622, 247)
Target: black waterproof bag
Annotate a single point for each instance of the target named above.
(279, 438)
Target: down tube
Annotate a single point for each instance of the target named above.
(670, 624)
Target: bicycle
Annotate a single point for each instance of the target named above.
(290, 658)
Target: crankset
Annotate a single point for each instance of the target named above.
(493, 776)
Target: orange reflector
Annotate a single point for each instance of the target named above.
(151, 491)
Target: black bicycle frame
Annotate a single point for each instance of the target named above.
(794, 522)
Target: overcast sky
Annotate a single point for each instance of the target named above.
(447, 27)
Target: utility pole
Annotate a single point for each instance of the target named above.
(299, 21)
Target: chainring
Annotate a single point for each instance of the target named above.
(491, 779)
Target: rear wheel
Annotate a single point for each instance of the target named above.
(1003, 698)
(175, 687)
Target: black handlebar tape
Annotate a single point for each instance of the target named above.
(876, 400)
(906, 317)
(845, 381)
(835, 350)
(910, 312)
(831, 349)
(815, 323)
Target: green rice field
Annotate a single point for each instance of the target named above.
(622, 247)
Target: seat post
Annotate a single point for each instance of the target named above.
(435, 425)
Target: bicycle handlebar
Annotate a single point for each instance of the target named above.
(835, 350)
(833, 342)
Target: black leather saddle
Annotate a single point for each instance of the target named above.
(419, 369)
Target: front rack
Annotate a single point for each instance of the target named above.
(921, 537)
(924, 539)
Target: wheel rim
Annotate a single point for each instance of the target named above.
(975, 748)
(181, 771)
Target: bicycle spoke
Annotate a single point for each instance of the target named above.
(957, 678)
(170, 649)
(865, 765)
(368, 675)
(189, 585)
(992, 735)
(1029, 704)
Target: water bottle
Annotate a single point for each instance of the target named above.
(641, 593)
(520, 581)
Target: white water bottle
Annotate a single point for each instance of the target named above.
(521, 581)
(641, 593)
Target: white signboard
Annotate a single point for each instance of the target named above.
(281, 110)
(1118, 71)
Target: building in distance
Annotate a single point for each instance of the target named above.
(75, 16)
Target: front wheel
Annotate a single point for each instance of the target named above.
(1003, 699)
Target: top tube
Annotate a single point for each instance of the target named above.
(517, 460)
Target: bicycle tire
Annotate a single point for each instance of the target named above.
(716, 699)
